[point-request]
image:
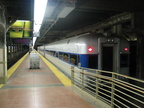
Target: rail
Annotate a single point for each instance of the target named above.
(116, 90)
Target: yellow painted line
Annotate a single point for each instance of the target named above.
(1, 85)
(65, 80)
(14, 67)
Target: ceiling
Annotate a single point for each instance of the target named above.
(17, 10)
(86, 16)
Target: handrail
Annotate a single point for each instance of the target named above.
(115, 89)
(113, 79)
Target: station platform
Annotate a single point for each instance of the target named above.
(46, 87)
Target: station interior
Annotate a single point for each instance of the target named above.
(32, 73)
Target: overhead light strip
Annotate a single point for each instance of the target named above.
(39, 10)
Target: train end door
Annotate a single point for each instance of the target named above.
(108, 54)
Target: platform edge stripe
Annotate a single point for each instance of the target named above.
(15, 66)
(65, 80)
(1, 85)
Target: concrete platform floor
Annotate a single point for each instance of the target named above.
(38, 88)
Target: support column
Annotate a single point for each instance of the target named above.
(3, 48)
(11, 49)
(138, 25)
(140, 58)
(3, 59)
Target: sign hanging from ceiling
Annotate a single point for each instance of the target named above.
(22, 40)
(20, 29)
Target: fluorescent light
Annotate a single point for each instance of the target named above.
(23, 20)
(34, 39)
(39, 10)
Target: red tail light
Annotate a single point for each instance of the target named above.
(90, 49)
(126, 49)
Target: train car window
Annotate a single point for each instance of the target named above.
(66, 57)
(61, 55)
(57, 54)
(93, 61)
(51, 53)
(123, 60)
(73, 59)
(48, 52)
(54, 53)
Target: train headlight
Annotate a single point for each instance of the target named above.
(90, 49)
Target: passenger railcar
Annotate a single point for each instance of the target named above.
(95, 51)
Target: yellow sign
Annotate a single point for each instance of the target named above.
(20, 29)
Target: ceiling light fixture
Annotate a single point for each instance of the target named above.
(39, 10)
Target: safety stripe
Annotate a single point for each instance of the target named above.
(14, 67)
(65, 80)
(1, 85)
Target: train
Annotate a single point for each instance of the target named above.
(90, 50)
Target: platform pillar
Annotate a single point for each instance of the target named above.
(11, 49)
(140, 58)
(3, 48)
(138, 25)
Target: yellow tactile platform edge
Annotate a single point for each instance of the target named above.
(65, 80)
(14, 67)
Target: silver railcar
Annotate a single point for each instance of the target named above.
(95, 51)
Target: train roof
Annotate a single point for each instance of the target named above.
(84, 38)
(78, 39)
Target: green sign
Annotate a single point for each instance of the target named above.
(20, 29)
